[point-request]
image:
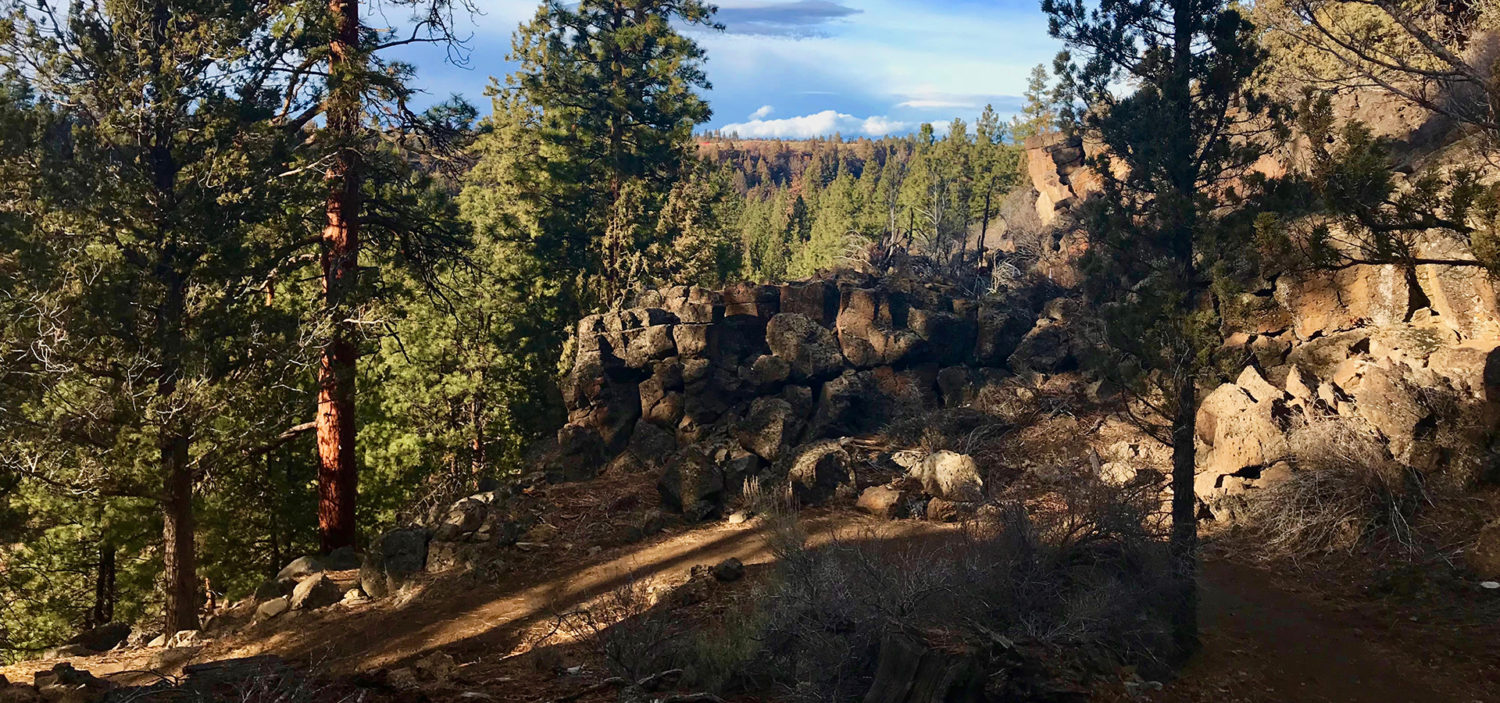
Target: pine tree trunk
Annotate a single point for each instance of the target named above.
(179, 562)
(103, 611)
(337, 477)
(1184, 540)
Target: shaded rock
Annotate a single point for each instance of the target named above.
(770, 426)
(950, 476)
(730, 569)
(887, 502)
(272, 608)
(104, 637)
(811, 350)
(818, 469)
(692, 485)
(314, 592)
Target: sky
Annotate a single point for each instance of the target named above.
(804, 68)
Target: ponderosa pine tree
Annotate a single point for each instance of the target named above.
(365, 110)
(145, 210)
(1172, 144)
(610, 87)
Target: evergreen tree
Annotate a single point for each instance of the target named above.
(610, 87)
(1177, 135)
(150, 207)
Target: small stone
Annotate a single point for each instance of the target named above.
(272, 608)
(730, 569)
(437, 666)
(737, 517)
(1491, 585)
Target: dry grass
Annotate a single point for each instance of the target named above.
(1347, 493)
(1080, 574)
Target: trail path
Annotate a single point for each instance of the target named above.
(1262, 641)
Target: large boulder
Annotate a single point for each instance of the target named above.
(769, 428)
(692, 484)
(950, 476)
(1484, 556)
(392, 560)
(817, 470)
(102, 638)
(299, 569)
(314, 592)
(810, 349)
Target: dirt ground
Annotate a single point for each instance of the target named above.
(1266, 636)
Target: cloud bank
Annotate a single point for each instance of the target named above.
(796, 19)
(815, 125)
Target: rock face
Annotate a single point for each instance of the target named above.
(709, 388)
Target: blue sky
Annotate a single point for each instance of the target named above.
(800, 68)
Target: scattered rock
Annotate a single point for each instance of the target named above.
(885, 502)
(315, 592)
(730, 569)
(272, 608)
(818, 469)
(950, 476)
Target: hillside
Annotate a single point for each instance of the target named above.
(754, 483)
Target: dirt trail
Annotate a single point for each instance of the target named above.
(463, 619)
(1263, 642)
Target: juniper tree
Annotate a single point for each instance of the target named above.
(1163, 86)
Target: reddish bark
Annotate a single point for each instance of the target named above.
(337, 471)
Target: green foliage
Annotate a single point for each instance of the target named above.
(816, 205)
(606, 91)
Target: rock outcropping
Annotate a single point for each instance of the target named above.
(755, 381)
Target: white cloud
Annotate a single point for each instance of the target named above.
(935, 104)
(816, 125)
(762, 112)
